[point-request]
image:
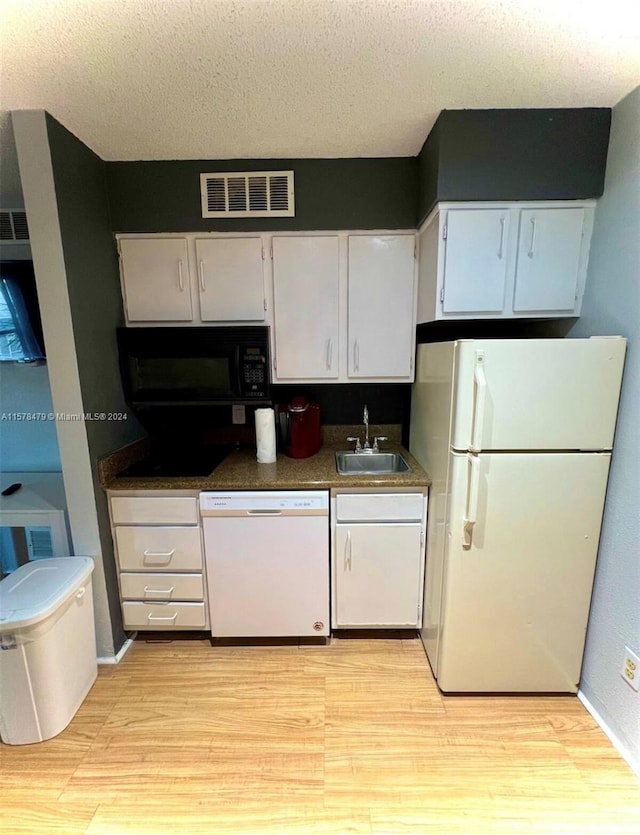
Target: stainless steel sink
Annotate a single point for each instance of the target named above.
(371, 463)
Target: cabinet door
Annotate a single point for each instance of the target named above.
(549, 249)
(155, 275)
(381, 291)
(230, 279)
(377, 569)
(305, 289)
(475, 260)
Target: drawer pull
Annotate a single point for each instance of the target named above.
(167, 619)
(158, 557)
(147, 590)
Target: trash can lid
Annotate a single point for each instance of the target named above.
(35, 590)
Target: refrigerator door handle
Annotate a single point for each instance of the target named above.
(480, 394)
(471, 510)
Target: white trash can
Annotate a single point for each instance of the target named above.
(47, 647)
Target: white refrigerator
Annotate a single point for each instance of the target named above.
(517, 436)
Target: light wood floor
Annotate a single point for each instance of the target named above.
(353, 737)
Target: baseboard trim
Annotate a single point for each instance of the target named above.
(620, 747)
(117, 658)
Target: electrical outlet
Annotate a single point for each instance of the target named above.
(630, 671)
(238, 413)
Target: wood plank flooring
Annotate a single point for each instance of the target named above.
(352, 737)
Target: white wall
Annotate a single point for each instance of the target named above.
(612, 306)
(26, 445)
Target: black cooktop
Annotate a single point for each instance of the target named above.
(198, 461)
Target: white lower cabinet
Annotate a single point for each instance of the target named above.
(161, 569)
(377, 560)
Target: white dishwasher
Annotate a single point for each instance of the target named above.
(267, 557)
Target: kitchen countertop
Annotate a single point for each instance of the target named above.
(241, 471)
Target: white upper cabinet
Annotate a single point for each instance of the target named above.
(344, 307)
(230, 279)
(171, 279)
(341, 306)
(155, 279)
(548, 262)
(507, 260)
(475, 260)
(381, 284)
(306, 307)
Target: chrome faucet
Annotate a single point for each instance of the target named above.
(366, 445)
(365, 420)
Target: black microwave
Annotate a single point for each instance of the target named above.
(195, 366)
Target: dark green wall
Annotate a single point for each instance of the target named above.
(96, 308)
(540, 154)
(329, 194)
(508, 154)
(428, 170)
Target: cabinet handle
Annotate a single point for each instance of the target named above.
(158, 557)
(501, 238)
(201, 271)
(147, 590)
(165, 619)
(533, 238)
(329, 353)
(356, 356)
(180, 278)
(347, 553)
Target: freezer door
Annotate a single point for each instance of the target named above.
(536, 394)
(522, 538)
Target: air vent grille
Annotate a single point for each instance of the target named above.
(13, 226)
(39, 543)
(247, 194)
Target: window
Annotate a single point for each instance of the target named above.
(20, 336)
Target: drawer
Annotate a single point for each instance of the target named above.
(134, 510)
(163, 615)
(159, 549)
(162, 586)
(379, 507)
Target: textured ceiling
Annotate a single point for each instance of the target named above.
(181, 79)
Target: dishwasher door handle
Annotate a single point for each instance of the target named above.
(264, 512)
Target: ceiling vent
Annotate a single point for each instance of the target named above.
(247, 194)
(13, 226)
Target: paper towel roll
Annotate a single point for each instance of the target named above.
(266, 436)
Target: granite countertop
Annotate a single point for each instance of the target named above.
(241, 471)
